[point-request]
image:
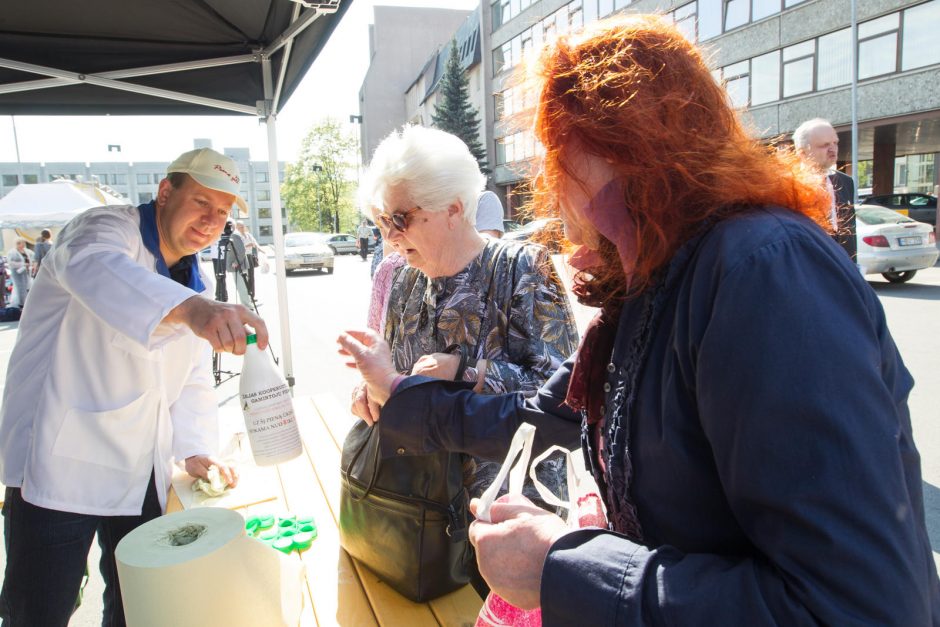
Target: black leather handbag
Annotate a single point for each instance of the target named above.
(406, 517)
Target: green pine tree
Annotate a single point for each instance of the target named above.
(454, 113)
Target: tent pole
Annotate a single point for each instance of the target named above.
(274, 177)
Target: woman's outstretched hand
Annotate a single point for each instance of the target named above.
(373, 357)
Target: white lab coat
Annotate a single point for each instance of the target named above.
(98, 391)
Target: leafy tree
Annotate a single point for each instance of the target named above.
(454, 112)
(318, 189)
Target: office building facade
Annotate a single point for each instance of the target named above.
(783, 61)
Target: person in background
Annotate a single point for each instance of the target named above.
(364, 233)
(20, 262)
(236, 258)
(382, 278)
(741, 403)
(817, 142)
(252, 251)
(378, 253)
(490, 215)
(121, 329)
(43, 246)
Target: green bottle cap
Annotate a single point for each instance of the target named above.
(251, 339)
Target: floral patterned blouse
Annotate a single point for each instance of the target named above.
(507, 306)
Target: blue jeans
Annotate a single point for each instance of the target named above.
(47, 551)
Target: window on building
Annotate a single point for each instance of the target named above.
(500, 151)
(119, 179)
(765, 78)
(575, 14)
(737, 82)
(261, 177)
(798, 68)
(619, 4)
(157, 177)
(764, 8)
(921, 45)
(502, 58)
(605, 7)
(265, 230)
(264, 212)
(30, 179)
(834, 59)
(499, 109)
(590, 11)
(792, 3)
(737, 13)
(501, 13)
(263, 194)
(878, 46)
(11, 180)
(709, 18)
(144, 197)
(143, 179)
(684, 18)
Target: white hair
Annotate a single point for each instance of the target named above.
(805, 130)
(436, 168)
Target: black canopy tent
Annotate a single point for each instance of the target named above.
(166, 57)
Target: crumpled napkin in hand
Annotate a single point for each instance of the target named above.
(214, 486)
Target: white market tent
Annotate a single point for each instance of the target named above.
(166, 57)
(41, 205)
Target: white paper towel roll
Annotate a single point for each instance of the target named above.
(197, 567)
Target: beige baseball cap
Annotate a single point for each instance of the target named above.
(211, 169)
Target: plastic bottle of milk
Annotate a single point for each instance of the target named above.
(269, 411)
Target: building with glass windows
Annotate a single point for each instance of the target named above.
(138, 182)
(783, 61)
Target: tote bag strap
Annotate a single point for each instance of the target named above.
(520, 450)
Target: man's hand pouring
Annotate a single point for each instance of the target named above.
(371, 355)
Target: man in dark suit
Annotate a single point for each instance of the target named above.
(818, 143)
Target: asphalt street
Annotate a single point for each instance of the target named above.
(321, 306)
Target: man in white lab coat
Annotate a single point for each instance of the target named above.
(109, 382)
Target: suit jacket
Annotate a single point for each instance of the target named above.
(844, 188)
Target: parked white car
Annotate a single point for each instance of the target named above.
(306, 251)
(893, 245)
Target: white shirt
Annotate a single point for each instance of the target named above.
(99, 391)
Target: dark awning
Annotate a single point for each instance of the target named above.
(206, 49)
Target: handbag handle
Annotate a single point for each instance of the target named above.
(572, 480)
(520, 446)
(375, 466)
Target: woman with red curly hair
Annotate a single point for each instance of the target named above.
(741, 402)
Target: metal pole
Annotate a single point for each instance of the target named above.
(275, 179)
(855, 99)
(16, 145)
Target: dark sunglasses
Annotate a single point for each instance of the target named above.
(399, 220)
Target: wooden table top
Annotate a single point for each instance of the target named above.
(339, 590)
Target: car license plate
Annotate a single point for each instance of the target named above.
(309, 258)
(910, 241)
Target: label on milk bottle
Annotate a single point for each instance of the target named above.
(272, 427)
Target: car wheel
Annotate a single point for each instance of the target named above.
(899, 277)
(288, 272)
(333, 248)
(329, 270)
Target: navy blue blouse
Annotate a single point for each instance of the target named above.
(775, 474)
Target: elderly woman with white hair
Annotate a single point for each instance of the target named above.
(499, 302)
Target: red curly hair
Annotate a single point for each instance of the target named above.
(634, 91)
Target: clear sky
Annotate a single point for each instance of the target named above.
(331, 88)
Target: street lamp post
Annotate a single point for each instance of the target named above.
(317, 168)
(357, 119)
